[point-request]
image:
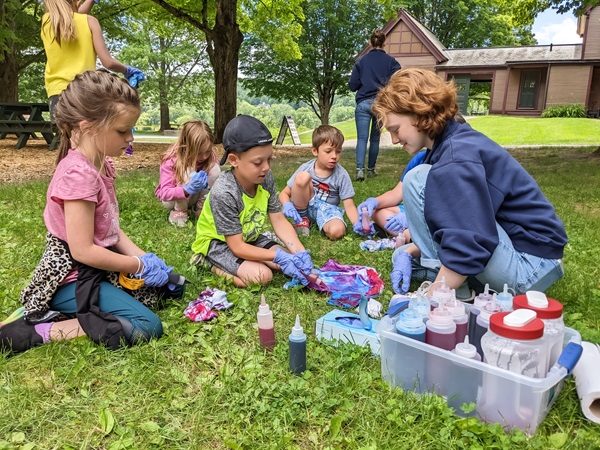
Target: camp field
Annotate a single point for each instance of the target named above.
(210, 385)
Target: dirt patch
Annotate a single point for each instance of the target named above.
(35, 161)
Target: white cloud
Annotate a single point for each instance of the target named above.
(564, 32)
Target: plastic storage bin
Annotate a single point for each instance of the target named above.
(422, 368)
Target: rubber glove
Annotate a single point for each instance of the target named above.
(401, 272)
(370, 204)
(396, 223)
(287, 263)
(290, 211)
(198, 182)
(304, 262)
(134, 76)
(155, 272)
(358, 229)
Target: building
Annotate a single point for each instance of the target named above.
(524, 80)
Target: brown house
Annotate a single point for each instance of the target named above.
(524, 80)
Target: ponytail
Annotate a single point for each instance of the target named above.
(60, 17)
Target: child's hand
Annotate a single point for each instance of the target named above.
(290, 211)
(358, 229)
(370, 204)
(198, 182)
(396, 223)
(304, 262)
(134, 76)
(155, 272)
(287, 262)
(401, 272)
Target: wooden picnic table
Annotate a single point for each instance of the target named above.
(24, 120)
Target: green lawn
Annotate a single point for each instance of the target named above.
(513, 131)
(210, 385)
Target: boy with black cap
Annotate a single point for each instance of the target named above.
(229, 230)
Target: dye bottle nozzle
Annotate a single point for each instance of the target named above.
(297, 345)
(505, 298)
(467, 350)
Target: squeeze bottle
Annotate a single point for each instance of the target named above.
(266, 328)
(297, 345)
(505, 298)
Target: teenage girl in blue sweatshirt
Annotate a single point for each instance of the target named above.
(473, 211)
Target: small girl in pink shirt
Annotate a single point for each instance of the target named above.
(187, 171)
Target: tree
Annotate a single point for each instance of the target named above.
(222, 22)
(334, 32)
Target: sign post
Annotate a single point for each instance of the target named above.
(288, 124)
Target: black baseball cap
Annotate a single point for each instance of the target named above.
(242, 133)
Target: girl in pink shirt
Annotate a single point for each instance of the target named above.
(74, 289)
(187, 171)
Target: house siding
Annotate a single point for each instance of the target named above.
(561, 88)
(498, 92)
(592, 43)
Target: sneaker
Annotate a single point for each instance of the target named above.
(303, 228)
(18, 336)
(178, 218)
(360, 174)
(371, 173)
(200, 261)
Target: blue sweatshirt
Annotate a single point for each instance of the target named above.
(474, 183)
(371, 72)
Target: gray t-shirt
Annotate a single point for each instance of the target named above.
(235, 212)
(332, 189)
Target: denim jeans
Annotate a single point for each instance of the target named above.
(521, 271)
(365, 121)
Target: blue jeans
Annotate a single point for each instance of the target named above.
(146, 325)
(365, 120)
(521, 271)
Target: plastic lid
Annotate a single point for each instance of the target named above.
(297, 330)
(442, 293)
(441, 316)
(488, 309)
(520, 324)
(505, 295)
(456, 307)
(409, 318)
(465, 349)
(263, 307)
(485, 296)
(553, 309)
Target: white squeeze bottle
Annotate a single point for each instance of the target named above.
(266, 327)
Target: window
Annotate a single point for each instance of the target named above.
(528, 91)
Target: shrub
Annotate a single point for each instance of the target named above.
(574, 110)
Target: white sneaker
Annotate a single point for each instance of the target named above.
(178, 218)
(360, 174)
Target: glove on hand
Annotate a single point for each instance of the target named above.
(304, 262)
(370, 204)
(397, 223)
(155, 272)
(290, 211)
(287, 263)
(401, 272)
(358, 229)
(198, 182)
(134, 76)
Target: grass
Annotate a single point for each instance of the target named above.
(209, 385)
(514, 131)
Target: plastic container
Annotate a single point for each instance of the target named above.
(551, 313)
(460, 316)
(478, 302)
(441, 329)
(266, 327)
(482, 324)
(297, 345)
(403, 364)
(410, 324)
(505, 298)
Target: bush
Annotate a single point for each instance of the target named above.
(574, 110)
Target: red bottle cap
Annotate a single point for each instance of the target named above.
(545, 307)
(522, 324)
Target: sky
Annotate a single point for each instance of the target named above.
(553, 28)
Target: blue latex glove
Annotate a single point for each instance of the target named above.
(358, 229)
(198, 182)
(155, 272)
(401, 272)
(397, 223)
(304, 262)
(134, 76)
(287, 262)
(290, 211)
(370, 204)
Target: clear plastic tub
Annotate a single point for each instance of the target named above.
(406, 363)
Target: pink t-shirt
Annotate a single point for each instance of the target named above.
(76, 178)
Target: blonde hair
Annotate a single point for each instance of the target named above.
(327, 133)
(96, 96)
(60, 16)
(195, 139)
(420, 93)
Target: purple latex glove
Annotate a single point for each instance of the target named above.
(401, 272)
(304, 262)
(290, 211)
(287, 263)
(397, 223)
(371, 205)
(358, 229)
(134, 76)
(155, 272)
(198, 182)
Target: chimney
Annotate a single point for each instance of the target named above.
(550, 46)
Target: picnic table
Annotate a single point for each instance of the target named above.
(24, 120)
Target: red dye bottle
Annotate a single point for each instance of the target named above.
(266, 328)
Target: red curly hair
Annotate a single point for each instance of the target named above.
(421, 93)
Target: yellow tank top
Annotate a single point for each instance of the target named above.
(70, 58)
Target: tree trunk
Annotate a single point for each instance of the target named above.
(325, 102)
(163, 91)
(9, 77)
(165, 123)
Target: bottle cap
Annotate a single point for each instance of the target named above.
(505, 298)
(263, 307)
(409, 318)
(442, 293)
(441, 316)
(488, 309)
(552, 310)
(297, 330)
(520, 324)
(466, 349)
(456, 307)
(485, 296)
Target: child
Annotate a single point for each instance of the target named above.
(229, 234)
(315, 190)
(474, 212)
(72, 39)
(188, 169)
(85, 243)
